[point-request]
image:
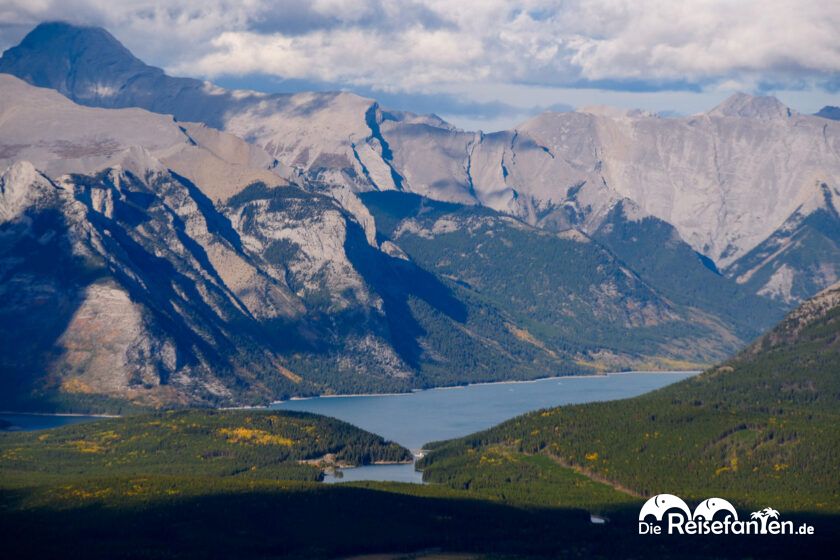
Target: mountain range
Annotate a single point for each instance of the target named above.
(732, 181)
(166, 241)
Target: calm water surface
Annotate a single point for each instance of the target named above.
(417, 418)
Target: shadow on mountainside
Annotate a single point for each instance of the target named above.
(44, 284)
(397, 281)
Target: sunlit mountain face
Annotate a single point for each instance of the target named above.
(615, 229)
(345, 245)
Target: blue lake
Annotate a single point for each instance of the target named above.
(414, 419)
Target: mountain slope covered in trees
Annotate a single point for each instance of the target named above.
(204, 443)
(758, 429)
(557, 289)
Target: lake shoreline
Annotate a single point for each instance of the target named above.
(436, 414)
(272, 404)
(477, 384)
(415, 419)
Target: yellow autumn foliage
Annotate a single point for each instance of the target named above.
(87, 446)
(73, 492)
(76, 385)
(257, 437)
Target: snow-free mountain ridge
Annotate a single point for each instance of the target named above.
(224, 246)
(165, 262)
(727, 180)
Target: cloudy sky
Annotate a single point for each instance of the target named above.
(485, 64)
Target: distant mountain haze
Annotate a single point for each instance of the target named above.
(829, 112)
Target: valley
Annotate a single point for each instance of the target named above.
(241, 286)
(266, 246)
(126, 477)
(523, 489)
(415, 419)
(301, 323)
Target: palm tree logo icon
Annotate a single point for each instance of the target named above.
(763, 515)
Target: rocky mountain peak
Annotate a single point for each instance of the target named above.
(751, 106)
(829, 112)
(51, 35)
(727, 182)
(87, 64)
(20, 185)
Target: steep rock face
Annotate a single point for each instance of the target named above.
(142, 312)
(432, 159)
(22, 186)
(174, 303)
(283, 283)
(549, 171)
(302, 237)
(123, 279)
(801, 257)
(727, 180)
(157, 296)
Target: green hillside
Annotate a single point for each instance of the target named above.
(241, 444)
(656, 252)
(564, 291)
(759, 430)
(223, 484)
(166, 490)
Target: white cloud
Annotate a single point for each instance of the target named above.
(706, 39)
(477, 48)
(546, 42)
(414, 58)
